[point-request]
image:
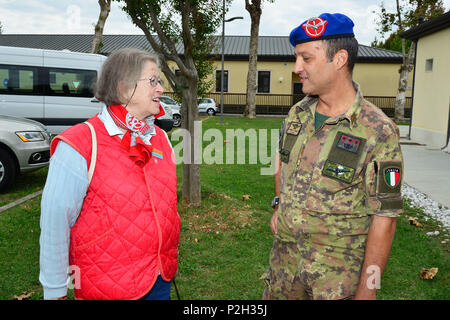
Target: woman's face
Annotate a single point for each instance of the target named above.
(145, 100)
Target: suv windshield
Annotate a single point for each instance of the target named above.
(167, 100)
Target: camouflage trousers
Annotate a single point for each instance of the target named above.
(305, 269)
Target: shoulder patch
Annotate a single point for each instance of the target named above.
(389, 177)
(293, 128)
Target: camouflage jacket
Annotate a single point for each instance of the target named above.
(334, 178)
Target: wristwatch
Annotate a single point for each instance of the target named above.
(275, 201)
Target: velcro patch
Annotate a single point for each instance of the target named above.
(338, 171)
(389, 176)
(284, 155)
(348, 143)
(294, 128)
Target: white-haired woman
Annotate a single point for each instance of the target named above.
(118, 233)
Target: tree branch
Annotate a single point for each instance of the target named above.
(172, 53)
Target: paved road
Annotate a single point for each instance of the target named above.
(426, 169)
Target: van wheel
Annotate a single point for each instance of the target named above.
(210, 112)
(8, 170)
(177, 120)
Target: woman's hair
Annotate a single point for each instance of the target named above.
(123, 67)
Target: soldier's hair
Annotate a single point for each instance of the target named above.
(122, 66)
(348, 44)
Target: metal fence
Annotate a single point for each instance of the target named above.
(281, 103)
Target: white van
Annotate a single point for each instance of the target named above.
(49, 86)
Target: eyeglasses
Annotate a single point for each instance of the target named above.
(154, 81)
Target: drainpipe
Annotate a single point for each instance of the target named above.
(448, 131)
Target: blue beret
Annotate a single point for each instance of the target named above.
(325, 26)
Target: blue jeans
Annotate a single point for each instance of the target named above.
(159, 291)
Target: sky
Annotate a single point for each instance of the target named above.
(278, 18)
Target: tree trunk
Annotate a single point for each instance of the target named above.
(405, 69)
(191, 189)
(105, 8)
(255, 13)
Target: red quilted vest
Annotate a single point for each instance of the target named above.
(118, 242)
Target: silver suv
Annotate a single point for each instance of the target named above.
(207, 105)
(168, 102)
(24, 147)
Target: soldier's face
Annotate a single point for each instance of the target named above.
(315, 71)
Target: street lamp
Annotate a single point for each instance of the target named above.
(223, 58)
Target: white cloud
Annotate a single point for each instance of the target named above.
(278, 18)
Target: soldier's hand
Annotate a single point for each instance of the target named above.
(273, 222)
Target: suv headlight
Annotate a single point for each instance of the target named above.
(30, 136)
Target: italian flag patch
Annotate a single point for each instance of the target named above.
(392, 176)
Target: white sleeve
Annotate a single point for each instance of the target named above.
(62, 200)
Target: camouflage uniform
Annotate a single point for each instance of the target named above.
(332, 180)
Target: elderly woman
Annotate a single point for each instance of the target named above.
(117, 234)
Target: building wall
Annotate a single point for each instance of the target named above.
(376, 79)
(432, 90)
(238, 75)
(380, 79)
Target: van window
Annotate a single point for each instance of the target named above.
(70, 82)
(18, 79)
(29, 80)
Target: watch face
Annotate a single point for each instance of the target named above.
(275, 202)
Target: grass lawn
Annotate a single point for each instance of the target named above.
(225, 244)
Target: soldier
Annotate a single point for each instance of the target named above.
(338, 189)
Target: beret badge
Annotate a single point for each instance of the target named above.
(315, 27)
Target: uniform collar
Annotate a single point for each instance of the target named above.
(351, 115)
(353, 112)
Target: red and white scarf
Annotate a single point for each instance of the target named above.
(136, 139)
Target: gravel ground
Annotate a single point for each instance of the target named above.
(431, 208)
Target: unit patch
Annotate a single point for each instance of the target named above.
(284, 155)
(294, 128)
(349, 143)
(338, 171)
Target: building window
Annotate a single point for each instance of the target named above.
(429, 65)
(264, 81)
(225, 80)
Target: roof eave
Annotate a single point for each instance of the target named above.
(380, 59)
(427, 27)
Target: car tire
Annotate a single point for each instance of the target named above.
(8, 170)
(210, 112)
(177, 120)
